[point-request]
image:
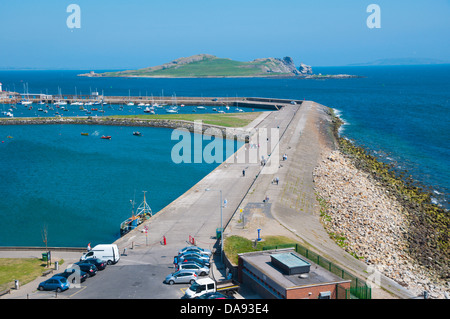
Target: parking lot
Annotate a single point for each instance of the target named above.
(138, 274)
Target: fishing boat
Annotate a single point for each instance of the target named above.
(106, 137)
(143, 212)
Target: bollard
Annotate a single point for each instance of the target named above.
(16, 284)
(56, 265)
(164, 240)
(259, 236)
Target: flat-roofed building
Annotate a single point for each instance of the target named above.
(285, 274)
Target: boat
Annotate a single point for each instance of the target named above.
(147, 110)
(84, 134)
(172, 110)
(201, 108)
(143, 212)
(106, 137)
(137, 133)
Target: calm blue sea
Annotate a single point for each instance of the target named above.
(80, 187)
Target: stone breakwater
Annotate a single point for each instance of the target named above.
(194, 127)
(370, 224)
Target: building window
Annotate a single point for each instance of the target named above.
(325, 295)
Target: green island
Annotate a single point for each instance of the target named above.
(206, 65)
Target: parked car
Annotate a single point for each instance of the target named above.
(214, 295)
(181, 277)
(194, 249)
(181, 259)
(199, 269)
(55, 283)
(194, 254)
(75, 274)
(100, 264)
(90, 269)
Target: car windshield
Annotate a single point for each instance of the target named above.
(63, 280)
(194, 286)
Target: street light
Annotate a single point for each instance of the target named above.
(221, 221)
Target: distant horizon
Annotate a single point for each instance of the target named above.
(363, 64)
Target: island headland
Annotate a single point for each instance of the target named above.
(210, 66)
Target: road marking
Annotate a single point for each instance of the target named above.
(81, 289)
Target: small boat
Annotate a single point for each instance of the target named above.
(201, 108)
(137, 133)
(85, 134)
(143, 212)
(172, 109)
(147, 110)
(106, 137)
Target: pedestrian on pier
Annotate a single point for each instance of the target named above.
(243, 172)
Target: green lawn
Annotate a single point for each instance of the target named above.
(227, 120)
(22, 269)
(235, 245)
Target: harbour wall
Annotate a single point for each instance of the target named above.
(259, 102)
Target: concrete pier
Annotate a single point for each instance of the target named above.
(301, 131)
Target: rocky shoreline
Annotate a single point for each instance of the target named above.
(373, 223)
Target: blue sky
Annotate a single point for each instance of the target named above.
(141, 33)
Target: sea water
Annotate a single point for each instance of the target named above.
(400, 113)
(80, 188)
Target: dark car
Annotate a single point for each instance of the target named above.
(100, 264)
(214, 295)
(181, 259)
(204, 258)
(90, 269)
(75, 275)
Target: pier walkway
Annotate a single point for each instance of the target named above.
(303, 133)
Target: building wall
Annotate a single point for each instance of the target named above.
(312, 292)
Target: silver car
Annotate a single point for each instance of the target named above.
(199, 269)
(194, 249)
(181, 277)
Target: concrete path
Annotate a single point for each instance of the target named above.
(300, 132)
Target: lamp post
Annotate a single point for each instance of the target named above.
(221, 222)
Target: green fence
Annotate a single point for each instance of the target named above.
(358, 288)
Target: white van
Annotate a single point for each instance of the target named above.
(108, 253)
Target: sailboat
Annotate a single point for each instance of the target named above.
(27, 101)
(143, 212)
(174, 107)
(129, 99)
